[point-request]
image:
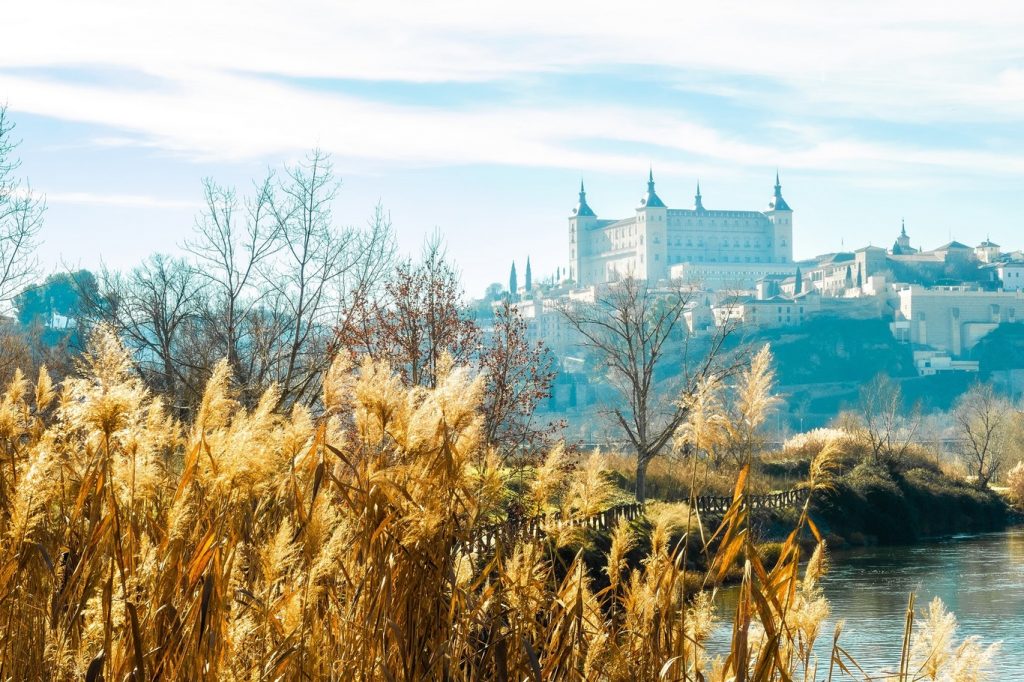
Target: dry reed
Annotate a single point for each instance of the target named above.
(253, 545)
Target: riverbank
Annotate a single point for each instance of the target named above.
(874, 504)
(866, 503)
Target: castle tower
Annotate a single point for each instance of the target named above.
(781, 216)
(581, 220)
(652, 225)
(902, 244)
(698, 205)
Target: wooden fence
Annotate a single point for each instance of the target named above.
(486, 538)
(717, 506)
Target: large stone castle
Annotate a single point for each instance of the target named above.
(660, 242)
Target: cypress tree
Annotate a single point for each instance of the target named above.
(513, 281)
(529, 276)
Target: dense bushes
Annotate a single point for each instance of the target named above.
(873, 504)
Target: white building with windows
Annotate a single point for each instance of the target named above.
(1007, 275)
(953, 319)
(715, 248)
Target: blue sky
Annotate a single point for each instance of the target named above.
(480, 118)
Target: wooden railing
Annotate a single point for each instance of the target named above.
(717, 506)
(508, 532)
(536, 527)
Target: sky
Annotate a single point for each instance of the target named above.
(479, 118)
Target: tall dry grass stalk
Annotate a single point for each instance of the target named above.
(254, 545)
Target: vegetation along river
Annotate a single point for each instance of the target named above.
(979, 577)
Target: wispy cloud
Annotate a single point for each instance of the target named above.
(175, 77)
(120, 200)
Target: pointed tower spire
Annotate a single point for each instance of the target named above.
(777, 203)
(697, 203)
(651, 199)
(582, 209)
(902, 245)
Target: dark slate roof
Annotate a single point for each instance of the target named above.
(952, 245)
(840, 257)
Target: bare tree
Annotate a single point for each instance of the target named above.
(228, 256)
(519, 377)
(984, 422)
(887, 428)
(21, 218)
(638, 334)
(155, 308)
(281, 276)
(372, 262)
(419, 319)
(314, 254)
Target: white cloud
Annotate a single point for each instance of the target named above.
(877, 55)
(120, 200)
(898, 61)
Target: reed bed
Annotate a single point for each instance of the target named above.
(254, 545)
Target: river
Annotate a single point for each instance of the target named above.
(979, 577)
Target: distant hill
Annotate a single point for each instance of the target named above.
(835, 349)
(822, 364)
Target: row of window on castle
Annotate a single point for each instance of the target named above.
(699, 222)
(712, 259)
(724, 244)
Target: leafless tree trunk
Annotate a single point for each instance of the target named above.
(313, 255)
(888, 430)
(229, 256)
(154, 309)
(418, 319)
(21, 219)
(983, 420)
(281, 276)
(638, 334)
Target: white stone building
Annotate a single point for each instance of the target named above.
(658, 242)
(953, 319)
(1007, 275)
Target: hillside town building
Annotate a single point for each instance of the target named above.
(740, 268)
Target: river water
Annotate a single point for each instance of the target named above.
(979, 577)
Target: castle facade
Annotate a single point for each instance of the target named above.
(659, 242)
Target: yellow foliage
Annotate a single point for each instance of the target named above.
(251, 544)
